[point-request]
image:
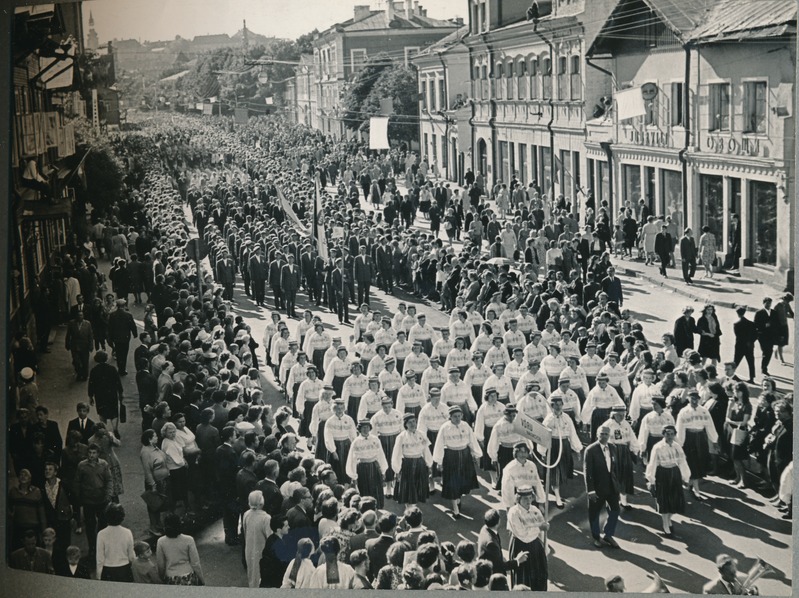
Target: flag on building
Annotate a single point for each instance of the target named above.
(630, 103)
(319, 223)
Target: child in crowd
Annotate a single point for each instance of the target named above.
(144, 569)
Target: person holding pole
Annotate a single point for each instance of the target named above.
(564, 441)
(528, 527)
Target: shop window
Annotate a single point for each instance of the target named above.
(719, 106)
(632, 183)
(763, 199)
(711, 200)
(755, 107)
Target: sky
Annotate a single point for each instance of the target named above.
(154, 20)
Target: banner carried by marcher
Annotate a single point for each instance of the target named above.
(378, 133)
(291, 215)
(319, 224)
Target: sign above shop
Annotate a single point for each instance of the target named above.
(742, 146)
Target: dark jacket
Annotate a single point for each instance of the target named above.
(121, 327)
(273, 500)
(489, 547)
(688, 249)
(86, 433)
(377, 550)
(597, 477)
(275, 559)
(684, 330)
(767, 325)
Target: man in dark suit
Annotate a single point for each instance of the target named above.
(340, 290)
(663, 247)
(74, 567)
(612, 286)
(82, 423)
(602, 486)
(258, 272)
(290, 283)
(359, 540)
(727, 582)
(79, 341)
(121, 328)
(684, 330)
(30, 557)
(53, 442)
(226, 274)
(767, 325)
(273, 500)
(383, 257)
(276, 555)
(377, 548)
(489, 545)
(226, 460)
(349, 269)
(300, 520)
(364, 271)
(745, 337)
(688, 256)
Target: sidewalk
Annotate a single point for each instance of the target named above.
(723, 290)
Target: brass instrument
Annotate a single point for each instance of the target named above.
(657, 586)
(758, 570)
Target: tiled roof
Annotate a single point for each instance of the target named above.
(449, 40)
(211, 39)
(732, 19)
(682, 16)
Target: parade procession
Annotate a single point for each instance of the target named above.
(288, 353)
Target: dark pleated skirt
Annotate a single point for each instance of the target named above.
(415, 409)
(565, 469)
(485, 460)
(400, 366)
(352, 407)
(431, 436)
(370, 482)
(305, 422)
(650, 442)
(427, 346)
(668, 490)
(411, 486)
(625, 459)
(697, 453)
(477, 394)
(343, 451)
(458, 476)
(463, 370)
(393, 394)
(598, 417)
(338, 384)
(321, 450)
(534, 573)
(637, 424)
(364, 365)
(123, 573)
(318, 359)
(388, 442)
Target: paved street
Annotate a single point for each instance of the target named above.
(739, 522)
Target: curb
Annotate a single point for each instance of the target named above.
(686, 293)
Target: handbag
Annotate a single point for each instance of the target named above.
(123, 413)
(738, 436)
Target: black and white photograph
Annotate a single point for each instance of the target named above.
(486, 295)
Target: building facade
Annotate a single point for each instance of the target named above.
(716, 137)
(341, 51)
(443, 76)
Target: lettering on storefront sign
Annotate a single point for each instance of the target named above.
(650, 138)
(731, 145)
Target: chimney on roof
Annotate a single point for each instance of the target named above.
(389, 11)
(416, 7)
(408, 9)
(422, 12)
(361, 11)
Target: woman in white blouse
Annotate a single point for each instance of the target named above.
(176, 463)
(301, 568)
(411, 461)
(115, 547)
(455, 451)
(527, 526)
(666, 473)
(564, 441)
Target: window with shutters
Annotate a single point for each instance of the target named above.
(442, 94)
(533, 78)
(510, 82)
(755, 96)
(357, 59)
(546, 78)
(719, 106)
(677, 105)
(576, 81)
(563, 81)
(521, 79)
